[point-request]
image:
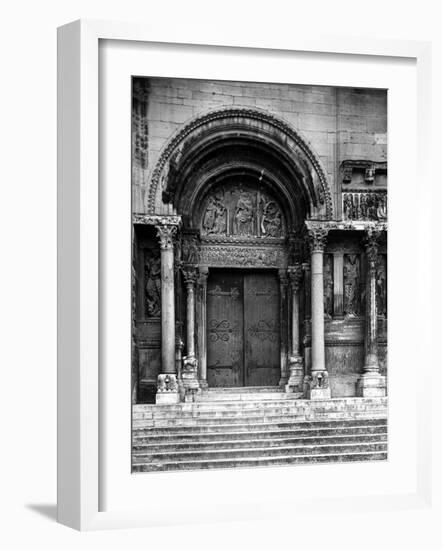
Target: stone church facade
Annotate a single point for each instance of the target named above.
(259, 240)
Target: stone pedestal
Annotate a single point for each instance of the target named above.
(167, 390)
(317, 386)
(371, 383)
(296, 363)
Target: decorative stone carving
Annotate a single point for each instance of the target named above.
(352, 285)
(190, 274)
(295, 274)
(140, 129)
(271, 218)
(381, 285)
(236, 256)
(319, 380)
(240, 213)
(215, 215)
(365, 206)
(152, 277)
(167, 383)
(328, 284)
(190, 253)
(317, 238)
(362, 171)
(166, 234)
(244, 217)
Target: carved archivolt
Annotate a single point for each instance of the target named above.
(170, 157)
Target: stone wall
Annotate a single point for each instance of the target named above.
(339, 123)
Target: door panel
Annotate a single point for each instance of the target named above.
(243, 329)
(261, 329)
(225, 353)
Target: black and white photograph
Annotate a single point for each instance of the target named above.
(259, 274)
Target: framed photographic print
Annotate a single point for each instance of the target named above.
(231, 275)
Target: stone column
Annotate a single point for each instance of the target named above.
(202, 326)
(296, 363)
(283, 311)
(167, 391)
(371, 383)
(189, 372)
(317, 384)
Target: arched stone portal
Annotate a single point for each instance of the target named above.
(243, 183)
(243, 209)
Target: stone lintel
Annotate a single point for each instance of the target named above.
(361, 225)
(149, 219)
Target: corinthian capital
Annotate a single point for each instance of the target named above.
(295, 276)
(190, 274)
(371, 242)
(317, 238)
(166, 234)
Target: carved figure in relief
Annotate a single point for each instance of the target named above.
(348, 206)
(152, 270)
(271, 219)
(215, 216)
(351, 285)
(244, 215)
(328, 285)
(363, 206)
(190, 250)
(381, 285)
(381, 211)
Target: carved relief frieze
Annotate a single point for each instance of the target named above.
(239, 256)
(365, 206)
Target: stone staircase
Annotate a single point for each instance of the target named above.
(226, 429)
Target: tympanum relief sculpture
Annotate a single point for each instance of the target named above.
(215, 215)
(352, 285)
(241, 211)
(152, 278)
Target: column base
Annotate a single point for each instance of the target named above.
(371, 384)
(189, 376)
(296, 370)
(203, 384)
(316, 386)
(167, 390)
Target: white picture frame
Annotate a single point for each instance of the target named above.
(80, 433)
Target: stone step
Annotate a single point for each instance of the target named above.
(254, 422)
(148, 446)
(216, 409)
(280, 460)
(350, 404)
(239, 432)
(250, 452)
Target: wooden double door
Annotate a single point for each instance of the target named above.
(243, 340)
